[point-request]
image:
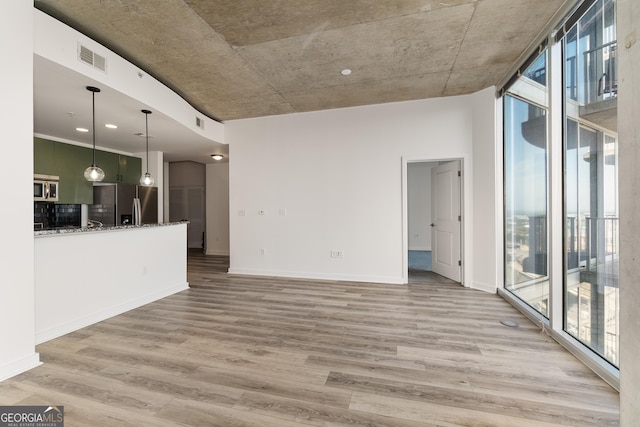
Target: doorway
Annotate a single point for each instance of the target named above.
(419, 216)
(432, 202)
(187, 199)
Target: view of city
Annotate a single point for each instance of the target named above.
(589, 185)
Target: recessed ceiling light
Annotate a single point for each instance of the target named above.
(82, 129)
(217, 156)
(345, 72)
(111, 126)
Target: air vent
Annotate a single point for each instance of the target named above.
(100, 62)
(199, 122)
(88, 56)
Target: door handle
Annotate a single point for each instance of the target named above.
(433, 225)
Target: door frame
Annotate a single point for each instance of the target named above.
(405, 212)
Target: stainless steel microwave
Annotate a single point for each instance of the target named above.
(45, 188)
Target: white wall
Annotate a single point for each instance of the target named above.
(217, 226)
(419, 205)
(76, 287)
(17, 344)
(166, 179)
(629, 157)
(332, 180)
(487, 192)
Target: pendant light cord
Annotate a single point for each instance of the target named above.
(93, 173)
(146, 132)
(93, 104)
(146, 179)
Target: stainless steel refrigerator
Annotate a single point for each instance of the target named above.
(145, 205)
(113, 204)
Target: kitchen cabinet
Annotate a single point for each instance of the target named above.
(119, 167)
(44, 156)
(130, 169)
(69, 161)
(108, 162)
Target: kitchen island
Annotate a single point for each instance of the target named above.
(86, 275)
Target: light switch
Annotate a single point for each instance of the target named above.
(242, 212)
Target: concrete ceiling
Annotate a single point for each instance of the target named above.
(234, 59)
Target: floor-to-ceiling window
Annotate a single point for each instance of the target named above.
(526, 188)
(562, 104)
(591, 181)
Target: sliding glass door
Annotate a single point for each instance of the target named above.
(591, 181)
(525, 171)
(561, 174)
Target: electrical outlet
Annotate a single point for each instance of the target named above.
(336, 254)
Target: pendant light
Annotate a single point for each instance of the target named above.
(146, 179)
(93, 173)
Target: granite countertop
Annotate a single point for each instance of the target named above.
(60, 231)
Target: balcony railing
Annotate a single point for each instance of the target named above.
(603, 267)
(592, 246)
(599, 72)
(601, 78)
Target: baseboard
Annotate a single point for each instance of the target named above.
(19, 366)
(598, 365)
(317, 276)
(68, 327)
(486, 287)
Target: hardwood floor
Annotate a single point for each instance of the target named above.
(263, 351)
(421, 276)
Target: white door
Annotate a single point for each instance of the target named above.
(446, 220)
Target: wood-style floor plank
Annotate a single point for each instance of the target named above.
(265, 351)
